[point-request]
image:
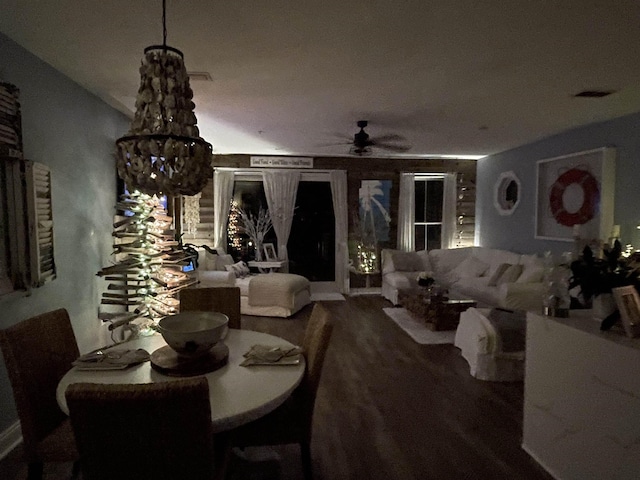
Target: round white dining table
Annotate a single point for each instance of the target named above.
(238, 394)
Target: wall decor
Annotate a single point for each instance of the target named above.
(575, 196)
(374, 198)
(282, 162)
(628, 302)
(270, 252)
(506, 193)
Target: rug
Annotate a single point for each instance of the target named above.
(327, 297)
(416, 329)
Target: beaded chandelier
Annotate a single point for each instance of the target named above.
(163, 153)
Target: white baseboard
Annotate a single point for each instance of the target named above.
(9, 439)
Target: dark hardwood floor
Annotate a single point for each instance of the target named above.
(389, 408)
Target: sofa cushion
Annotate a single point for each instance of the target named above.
(207, 260)
(402, 280)
(239, 269)
(510, 275)
(478, 289)
(495, 257)
(533, 269)
(407, 262)
(215, 278)
(223, 260)
(471, 267)
(495, 276)
(531, 274)
(443, 261)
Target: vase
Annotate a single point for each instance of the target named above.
(603, 305)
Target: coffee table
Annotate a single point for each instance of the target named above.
(438, 314)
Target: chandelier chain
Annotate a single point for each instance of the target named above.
(164, 23)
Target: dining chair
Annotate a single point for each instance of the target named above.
(292, 422)
(132, 431)
(219, 299)
(38, 352)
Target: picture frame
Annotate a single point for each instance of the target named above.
(575, 196)
(270, 254)
(628, 302)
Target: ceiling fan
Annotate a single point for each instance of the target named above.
(363, 143)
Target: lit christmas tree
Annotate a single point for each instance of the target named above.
(147, 273)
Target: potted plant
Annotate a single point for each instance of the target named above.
(596, 277)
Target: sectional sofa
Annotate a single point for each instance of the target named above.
(492, 277)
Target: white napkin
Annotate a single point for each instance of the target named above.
(272, 355)
(115, 359)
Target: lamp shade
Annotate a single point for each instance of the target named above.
(163, 153)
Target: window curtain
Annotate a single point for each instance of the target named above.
(222, 193)
(449, 200)
(338, 179)
(406, 212)
(280, 188)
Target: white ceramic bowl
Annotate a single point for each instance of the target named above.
(193, 333)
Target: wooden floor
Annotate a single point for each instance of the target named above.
(389, 408)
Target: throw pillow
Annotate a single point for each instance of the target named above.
(471, 267)
(510, 275)
(407, 262)
(493, 281)
(531, 274)
(239, 269)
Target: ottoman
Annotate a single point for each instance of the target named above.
(481, 345)
(273, 294)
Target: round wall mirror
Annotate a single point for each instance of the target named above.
(507, 193)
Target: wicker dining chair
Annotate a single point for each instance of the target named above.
(292, 421)
(38, 352)
(132, 431)
(219, 299)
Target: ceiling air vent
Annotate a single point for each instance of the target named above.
(594, 93)
(200, 76)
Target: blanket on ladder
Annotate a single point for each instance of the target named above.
(276, 289)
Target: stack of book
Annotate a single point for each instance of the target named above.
(10, 121)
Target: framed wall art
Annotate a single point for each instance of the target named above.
(628, 303)
(270, 252)
(575, 195)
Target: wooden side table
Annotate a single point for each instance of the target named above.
(437, 314)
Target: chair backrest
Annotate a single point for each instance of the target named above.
(218, 299)
(132, 431)
(38, 352)
(315, 344)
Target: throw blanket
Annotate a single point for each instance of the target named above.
(277, 289)
(510, 327)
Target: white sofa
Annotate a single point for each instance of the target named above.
(468, 273)
(270, 294)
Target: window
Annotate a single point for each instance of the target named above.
(427, 223)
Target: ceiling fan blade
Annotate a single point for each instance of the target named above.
(334, 144)
(388, 138)
(393, 148)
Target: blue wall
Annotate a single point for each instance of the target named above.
(72, 132)
(516, 232)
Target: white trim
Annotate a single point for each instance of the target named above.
(10, 439)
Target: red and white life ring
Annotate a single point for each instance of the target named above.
(590, 202)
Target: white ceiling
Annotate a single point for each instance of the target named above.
(454, 77)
